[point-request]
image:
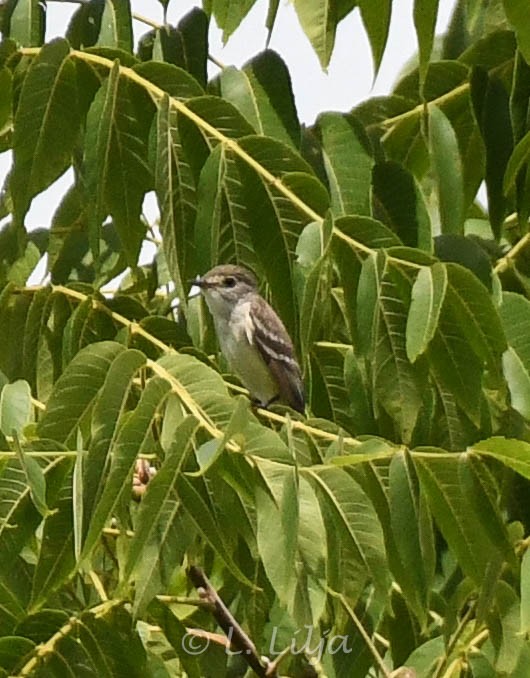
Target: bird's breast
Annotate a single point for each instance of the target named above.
(235, 339)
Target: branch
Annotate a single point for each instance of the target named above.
(238, 639)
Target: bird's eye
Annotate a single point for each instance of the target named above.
(229, 281)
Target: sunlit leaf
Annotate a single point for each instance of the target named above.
(428, 294)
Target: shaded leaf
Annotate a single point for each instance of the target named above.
(132, 439)
(381, 319)
(425, 14)
(376, 20)
(399, 203)
(115, 164)
(46, 124)
(27, 23)
(116, 26)
(262, 92)
(176, 198)
(348, 163)
(447, 167)
(355, 519)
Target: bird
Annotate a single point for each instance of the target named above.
(252, 337)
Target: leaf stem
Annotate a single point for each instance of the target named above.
(369, 643)
(48, 647)
(134, 328)
(505, 262)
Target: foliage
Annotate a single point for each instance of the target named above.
(392, 522)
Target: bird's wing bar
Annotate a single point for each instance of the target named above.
(272, 341)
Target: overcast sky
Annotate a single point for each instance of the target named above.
(348, 81)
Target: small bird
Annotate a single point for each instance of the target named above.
(252, 337)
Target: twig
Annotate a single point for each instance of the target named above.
(222, 615)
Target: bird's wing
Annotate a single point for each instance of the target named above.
(274, 344)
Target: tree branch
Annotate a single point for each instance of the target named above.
(239, 640)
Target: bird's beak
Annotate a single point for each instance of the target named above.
(197, 281)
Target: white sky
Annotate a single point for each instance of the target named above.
(349, 79)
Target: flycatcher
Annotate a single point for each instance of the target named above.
(252, 338)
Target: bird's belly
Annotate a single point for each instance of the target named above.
(246, 361)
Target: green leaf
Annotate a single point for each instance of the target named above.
(492, 110)
(348, 163)
(405, 515)
(213, 207)
(115, 164)
(463, 250)
(277, 504)
(56, 560)
(427, 656)
(210, 451)
(329, 395)
(6, 99)
(319, 23)
(425, 14)
(398, 202)
(376, 20)
(479, 319)
(38, 315)
(75, 391)
(132, 439)
(203, 517)
(275, 221)
(515, 316)
(511, 452)
(357, 394)
(356, 521)
(46, 124)
(35, 479)
(382, 319)
(517, 13)
(447, 166)
(16, 408)
(312, 251)
(116, 26)
(176, 198)
(192, 31)
(102, 644)
(481, 487)
(108, 412)
(22, 268)
(159, 507)
(311, 594)
(456, 369)
(518, 159)
(177, 82)
(518, 379)
(229, 14)
(262, 92)
(12, 648)
(27, 23)
(457, 512)
(525, 592)
(428, 293)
